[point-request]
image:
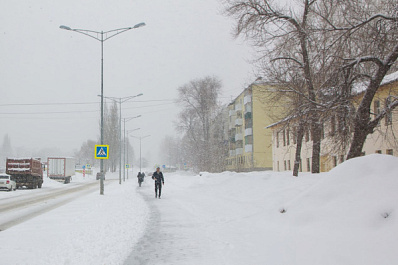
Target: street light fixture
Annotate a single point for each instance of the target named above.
(125, 144)
(120, 101)
(95, 35)
(140, 138)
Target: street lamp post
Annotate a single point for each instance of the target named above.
(125, 143)
(140, 138)
(108, 34)
(120, 101)
(124, 139)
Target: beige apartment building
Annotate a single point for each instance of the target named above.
(249, 142)
(382, 141)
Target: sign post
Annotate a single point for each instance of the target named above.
(101, 152)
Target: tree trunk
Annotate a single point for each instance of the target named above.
(361, 131)
(300, 135)
(316, 145)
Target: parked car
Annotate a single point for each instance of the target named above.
(7, 182)
(98, 176)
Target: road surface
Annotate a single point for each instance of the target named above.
(23, 205)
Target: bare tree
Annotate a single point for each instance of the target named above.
(86, 153)
(199, 101)
(287, 39)
(330, 46)
(372, 27)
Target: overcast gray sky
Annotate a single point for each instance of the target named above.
(50, 78)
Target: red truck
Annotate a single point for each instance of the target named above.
(27, 172)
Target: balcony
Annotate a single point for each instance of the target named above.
(238, 122)
(238, 107)
(247, 99)
(248, 108)
(231, 112)
(248, 115)
(248, 148)
(238, 137)
(248, 131)
(239, 151)
(232, 152)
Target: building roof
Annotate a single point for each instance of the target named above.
(362, 86)
(359, 88)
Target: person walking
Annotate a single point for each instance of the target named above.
(159, 181)
(140, 177)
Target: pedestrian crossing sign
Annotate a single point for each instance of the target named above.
(127, 166)
(101, 151)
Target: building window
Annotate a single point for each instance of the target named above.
(301, 165)
(376, 106)
(288, 136)
(284, 137)
(389, 112)
(294, 135)
(277, 140)
(378, 152)
(389, 152)
(284, 165)
(308, 164)
(334, 161)
(288, 165)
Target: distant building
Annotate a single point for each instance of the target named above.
(382, 141)
(249, 142)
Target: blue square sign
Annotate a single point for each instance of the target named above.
(101, 151)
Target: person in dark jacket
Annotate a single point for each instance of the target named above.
(159, 181)
(140, 177)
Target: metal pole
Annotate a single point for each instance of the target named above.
(120, 140)
(124, 145)
(140, 153)
(102, 113)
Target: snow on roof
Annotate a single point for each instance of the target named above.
(362, 86)
(390, 78)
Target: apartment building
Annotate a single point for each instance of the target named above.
(249, 142)
(382, 141)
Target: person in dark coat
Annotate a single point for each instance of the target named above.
(140, 177)
(159, 181)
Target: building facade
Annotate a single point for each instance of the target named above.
(249, 142)
(384, 140)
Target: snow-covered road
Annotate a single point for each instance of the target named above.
(22, 205)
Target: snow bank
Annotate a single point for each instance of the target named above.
(350, 217)
(345, 217)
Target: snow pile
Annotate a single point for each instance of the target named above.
(350, 217)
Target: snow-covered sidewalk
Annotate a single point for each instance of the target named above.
(94, 229)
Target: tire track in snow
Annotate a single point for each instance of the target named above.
(24, 209)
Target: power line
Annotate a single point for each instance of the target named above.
(74, 111)
(76, 103)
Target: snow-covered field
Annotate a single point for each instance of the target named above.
(346, 216)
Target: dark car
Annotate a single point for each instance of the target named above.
(99, 175)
